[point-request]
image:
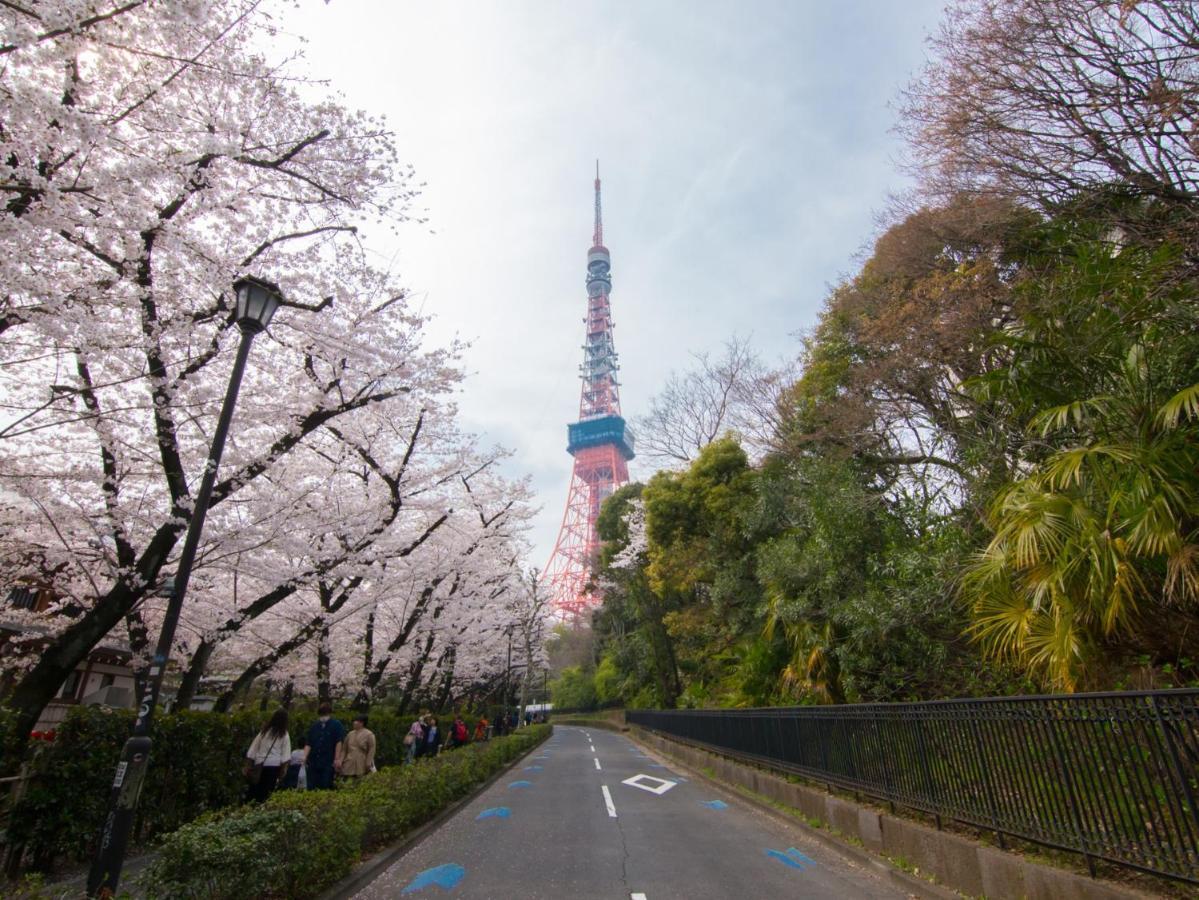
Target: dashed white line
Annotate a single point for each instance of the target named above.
(608, 802)
(598, 766)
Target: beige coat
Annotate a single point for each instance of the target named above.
(359, 752)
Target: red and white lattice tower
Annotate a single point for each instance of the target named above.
(599, 442)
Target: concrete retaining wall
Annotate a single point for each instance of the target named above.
(954, 861)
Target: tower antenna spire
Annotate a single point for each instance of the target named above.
(597, 239)
(599, 441)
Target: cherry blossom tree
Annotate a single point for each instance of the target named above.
(150, 154)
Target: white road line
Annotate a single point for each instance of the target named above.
(636, 896)
(597, 765)
(608, 802)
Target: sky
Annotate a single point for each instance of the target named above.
(746, 151)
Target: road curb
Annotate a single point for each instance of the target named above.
(368, 871)
(862, 857)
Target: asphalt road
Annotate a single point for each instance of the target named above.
(565, 824)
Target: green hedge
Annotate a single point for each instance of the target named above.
(195, 768)
(300, 842)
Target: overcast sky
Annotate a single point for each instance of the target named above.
(745, 150)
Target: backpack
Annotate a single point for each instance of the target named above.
(460, 732)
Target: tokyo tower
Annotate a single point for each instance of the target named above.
(599, 441)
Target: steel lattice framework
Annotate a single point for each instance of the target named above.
(599, 441)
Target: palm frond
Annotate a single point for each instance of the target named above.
(1182, 574)
(1076, 413)
(1184, 403)
(1065, 468)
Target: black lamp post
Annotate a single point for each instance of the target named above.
(507, 677)
(256, 303)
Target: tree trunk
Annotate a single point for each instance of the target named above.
(195, 671)
(418, 668)
(448, 682)
(324, 692)
(139, 643)
(365, 695)
(524, 682)
(55, 663)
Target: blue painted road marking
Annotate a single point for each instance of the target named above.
(784, 858)
(796, 855)
(533, 768)
(495, 812)
(520, 784)
(792, 858)
(446, 877)
(716, 804)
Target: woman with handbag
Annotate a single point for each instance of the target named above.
(268, 754)
(414, 739)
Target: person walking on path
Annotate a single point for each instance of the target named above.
(294, 777)
(358, 757)
(268, 754)
(323, 749)
(432, 737)
(458, 733)
(414, 740)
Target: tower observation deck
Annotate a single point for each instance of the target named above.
(600, 442)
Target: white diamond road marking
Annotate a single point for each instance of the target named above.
(636, 896)
(640, 781)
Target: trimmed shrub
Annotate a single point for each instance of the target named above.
(195, 767)
(311, 839)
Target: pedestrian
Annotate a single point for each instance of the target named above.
(268, 753)
(414, 740)
(323, 749)
(432, 737)
(295, 776)
(459, 733)
(358, 757)
(528, 718)
(481, 729)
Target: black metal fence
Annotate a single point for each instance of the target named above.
(1113, 776)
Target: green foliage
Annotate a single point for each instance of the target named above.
(573, 689)
(300, 842)
(239, 853)
(999, 408)
(607, 682)
(1095, 545)
(195, 767)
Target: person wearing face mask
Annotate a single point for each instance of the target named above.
(323, 749)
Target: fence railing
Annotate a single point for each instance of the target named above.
(1112, 776)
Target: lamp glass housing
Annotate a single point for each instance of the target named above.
(256, 303)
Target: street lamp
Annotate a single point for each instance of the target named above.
(507, 678)
(256, 304)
